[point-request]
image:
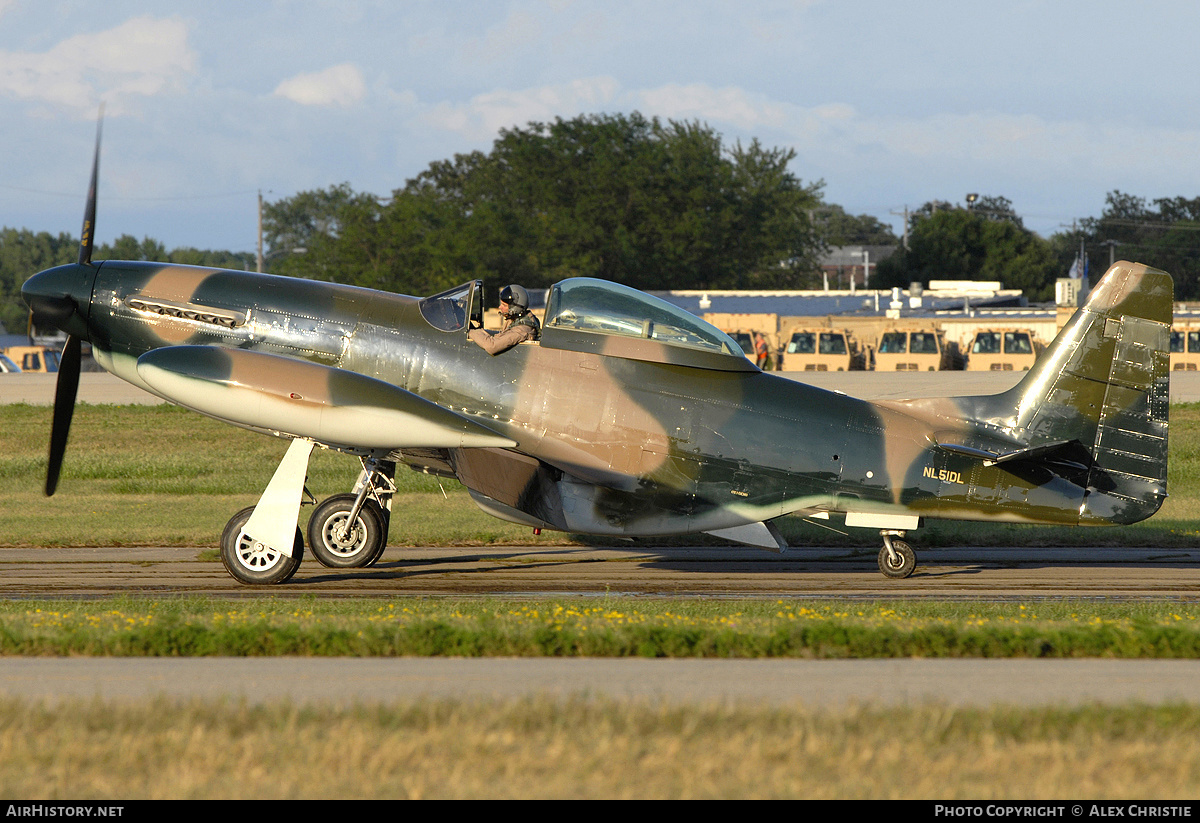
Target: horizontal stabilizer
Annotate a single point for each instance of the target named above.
(295, 397)
(1002, 454)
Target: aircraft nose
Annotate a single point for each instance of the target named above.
(61, 297)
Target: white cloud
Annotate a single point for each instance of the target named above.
(341, 85)
(990, 139)
(518, 32)
(142, 57)
(484, 115)
(703, 102)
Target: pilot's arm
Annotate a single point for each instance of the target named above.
(501, 341)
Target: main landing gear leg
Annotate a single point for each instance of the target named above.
(263, 545)
(349, 531)
(896, 558)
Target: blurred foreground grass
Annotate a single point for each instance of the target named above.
(593, 748)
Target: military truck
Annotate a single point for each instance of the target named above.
(1002, 350)
(911, 350)
(743, 326)
(1185, 348)
(33, 358)
(818, 350)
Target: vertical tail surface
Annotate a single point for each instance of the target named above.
(1103, 384)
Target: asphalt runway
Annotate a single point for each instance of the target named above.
(540, 571)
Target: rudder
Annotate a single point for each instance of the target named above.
(1104, 383)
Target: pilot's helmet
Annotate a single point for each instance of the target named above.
(516, 297)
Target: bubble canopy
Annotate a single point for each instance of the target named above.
(586, 314)
(602, 307)
(598, 316)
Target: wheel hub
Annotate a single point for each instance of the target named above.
(343, 540)
(256, 555)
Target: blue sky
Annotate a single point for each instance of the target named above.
(1051, 104)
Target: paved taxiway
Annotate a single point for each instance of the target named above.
(812, 683)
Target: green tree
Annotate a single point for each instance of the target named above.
(1165, 235)
(838, 228)
(307, 230)
(23, 253)
(188, 256)
(128, 247)
(996, 210)
(990, 243)
(618, 197)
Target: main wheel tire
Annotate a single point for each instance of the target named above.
(251, 562)
(902, 564)
(358, 549)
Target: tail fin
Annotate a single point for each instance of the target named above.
(1104, 384)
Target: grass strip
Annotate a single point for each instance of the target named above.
(389, 627)
(593, 748)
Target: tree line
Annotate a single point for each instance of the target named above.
(23, 253)
(620, 197)
(988, 241)
(648, 203)
(669, 205)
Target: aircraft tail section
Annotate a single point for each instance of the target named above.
(1098, 397)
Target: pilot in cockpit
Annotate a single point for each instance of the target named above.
(518, 324)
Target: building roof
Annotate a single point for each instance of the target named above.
(819, 303)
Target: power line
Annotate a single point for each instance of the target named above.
(1147, 224)
(120, 198)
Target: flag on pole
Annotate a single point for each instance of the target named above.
(1076, 271)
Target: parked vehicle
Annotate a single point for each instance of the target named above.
(1185, 349)
(1002, 350)
(920, 350)
(33, 358)
(746, 340)
(743, 327)
(818, 350)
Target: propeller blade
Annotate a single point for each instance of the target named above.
(64, 408)
(89, 214)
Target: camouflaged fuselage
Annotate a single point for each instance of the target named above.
(610, 442)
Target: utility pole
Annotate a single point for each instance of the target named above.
(1112, 251)
(905, 225)
(260, 254)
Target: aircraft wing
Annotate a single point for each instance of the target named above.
(331, 406)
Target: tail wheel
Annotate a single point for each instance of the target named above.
(253, 562)
(337, 543)
(900, 562)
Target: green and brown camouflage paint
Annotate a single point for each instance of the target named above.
(619, 436)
